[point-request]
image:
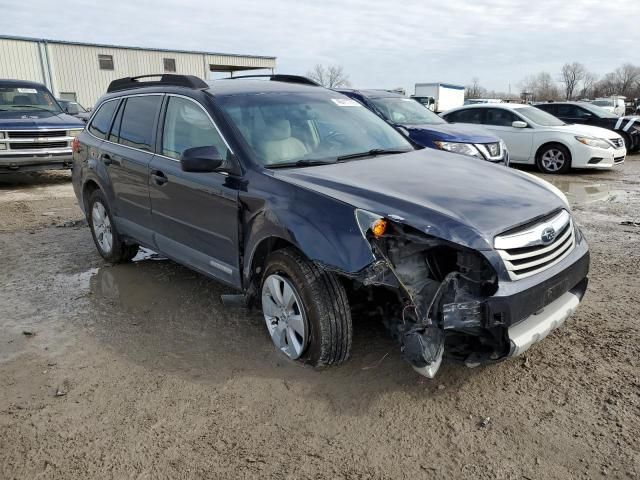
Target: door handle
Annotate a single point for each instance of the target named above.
(106, 158)
(158, 177)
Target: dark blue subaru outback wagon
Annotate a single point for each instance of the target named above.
(308, 204)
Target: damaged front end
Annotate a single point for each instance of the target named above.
(442, 289)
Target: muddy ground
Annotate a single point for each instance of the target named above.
(138, 371)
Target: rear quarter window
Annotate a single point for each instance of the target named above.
(102, 119)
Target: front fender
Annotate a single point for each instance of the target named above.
(327, 233)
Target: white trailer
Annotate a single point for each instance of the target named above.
(445, 95)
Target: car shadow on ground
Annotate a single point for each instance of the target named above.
(34, 179)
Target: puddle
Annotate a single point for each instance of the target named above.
(579, 192)
(167, 317)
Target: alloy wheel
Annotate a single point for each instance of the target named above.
(553, 160)
(102, 227)
(285, 318)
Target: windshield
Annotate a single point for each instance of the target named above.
(284, 128)
(603, 103)
(600, 112)
(405, 111)
(540, 117)
(27, 98)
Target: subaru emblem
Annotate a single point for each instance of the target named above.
(548, 234)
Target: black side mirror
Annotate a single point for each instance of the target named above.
(72, 109)
(201, 159)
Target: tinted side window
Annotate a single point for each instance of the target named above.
(138, 120)
(499, 117)
(102, 119)
(549, 108)
(571, 111)
(186, 125)
(471, 115)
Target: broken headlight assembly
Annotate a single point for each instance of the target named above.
(441, 287)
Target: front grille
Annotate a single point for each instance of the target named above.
(617, 142)
(525, 252)
(37, 145)
(618, 160)
(38, 134)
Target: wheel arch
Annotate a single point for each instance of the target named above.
(552, 143)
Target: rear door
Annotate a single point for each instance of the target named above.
(127, 154)
(195, 215)
(519, 140)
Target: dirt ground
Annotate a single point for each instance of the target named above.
(138, 371)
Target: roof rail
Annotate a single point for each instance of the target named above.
(282, 78)
(189, 81)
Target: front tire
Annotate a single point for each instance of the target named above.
(108, 241)
(553, 158)
(306, 310)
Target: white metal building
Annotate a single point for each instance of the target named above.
(82, 71)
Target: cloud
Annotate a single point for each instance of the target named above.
(379, 43)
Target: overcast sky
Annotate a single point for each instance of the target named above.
(380, 44)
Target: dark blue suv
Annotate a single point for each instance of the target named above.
(427, 129)
(35, 132)
(310, 205)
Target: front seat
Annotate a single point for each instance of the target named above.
(279, 146)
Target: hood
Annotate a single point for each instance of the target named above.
(588, 130)
(34, 119)
(449, 196)
(425, 135)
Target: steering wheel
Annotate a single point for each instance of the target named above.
(334, 140)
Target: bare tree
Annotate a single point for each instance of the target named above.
(571, 75)
(475, 90)
(540, 86)
(627, 78)
(332, 76)
(588, 83)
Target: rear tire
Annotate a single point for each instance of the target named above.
(553, 158)
(322, 304)
(108, 241)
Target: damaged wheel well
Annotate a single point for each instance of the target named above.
(262, 251)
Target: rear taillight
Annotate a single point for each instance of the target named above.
(75, 145)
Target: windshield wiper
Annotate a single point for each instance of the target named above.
(301, 163)
(374, 152)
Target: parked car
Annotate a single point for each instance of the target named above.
(35, 133)
(445, 95)
(614, 104)
(75, 109)
(427, 129)
(309, 204)
(536, 137)
(588, 114)
(474, 101)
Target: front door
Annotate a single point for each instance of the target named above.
(194, 215)
(519, 140)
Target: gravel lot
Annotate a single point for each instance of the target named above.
(138, 371)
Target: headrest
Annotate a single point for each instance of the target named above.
(21, 100)
(279, 130)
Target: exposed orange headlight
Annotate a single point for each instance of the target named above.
(379, 227)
